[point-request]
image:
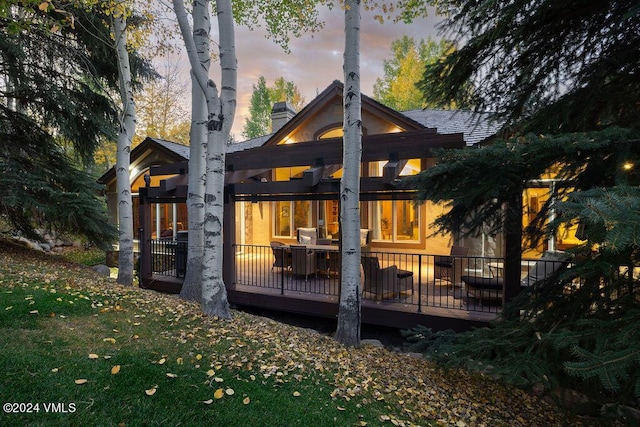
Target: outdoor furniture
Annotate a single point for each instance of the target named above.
(385, 282)
(281, 255)
(490, 289)
(365, 239)
(323, 256)
(307, 236)
(444, 266)
(303, 261)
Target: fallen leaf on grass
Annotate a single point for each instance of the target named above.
(296, 393)
(111, 340)
(81, 381)
(219, 393)
(170, 375)
(115, 369)
(151, 391)
(208, 402)
(93, 356)
(162, 361)
(33, 312)
(229, 392)
(246, 400)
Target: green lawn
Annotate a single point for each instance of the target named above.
(108, 355)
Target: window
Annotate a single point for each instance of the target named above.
(411, 167)
(395, 221)
(289, 216)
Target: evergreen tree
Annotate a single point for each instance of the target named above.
(55, 71)
(258, 122)
(562, 76)
(262, 99)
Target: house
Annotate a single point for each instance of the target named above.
(395, 222)
(290, 179)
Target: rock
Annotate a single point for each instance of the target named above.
(29, 244)
(102, 270)
(45, 247)
(371, 342)
(415, 355)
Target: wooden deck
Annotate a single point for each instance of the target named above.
(433, 302)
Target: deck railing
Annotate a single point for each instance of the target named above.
(423, 283)
(271, 269)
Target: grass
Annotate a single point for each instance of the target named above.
(144, 358)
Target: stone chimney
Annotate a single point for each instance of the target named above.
(281, 113)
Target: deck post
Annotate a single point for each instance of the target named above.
(513, 248)
(419, 283)
(229, 241)
(144, 215)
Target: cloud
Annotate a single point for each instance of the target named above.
(316, 60)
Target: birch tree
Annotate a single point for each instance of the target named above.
(220, 114)
(127, 123)
(191, 288)
(348, 331)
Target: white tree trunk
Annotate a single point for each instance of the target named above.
(221, 112)
(127, 130)
(191, 288)
(348, 331)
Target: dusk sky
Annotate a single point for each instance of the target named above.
(314, 62)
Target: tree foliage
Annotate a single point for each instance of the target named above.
(160, 107)
(56, 71)
(549, 66)
(397, 88)
(562, 76)
(262, 99)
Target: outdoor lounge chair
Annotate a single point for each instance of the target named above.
(281, 255)
(490, 289)
(303, 261)
(385, 282)
(307, 236)
(444, 266)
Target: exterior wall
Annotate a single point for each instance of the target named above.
(258, 228)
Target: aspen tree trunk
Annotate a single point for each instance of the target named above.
(125, 136)
(191, 288)
(220, 115)
(348, 331)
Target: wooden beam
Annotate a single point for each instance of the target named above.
(172, 183)
(311, 177)
(405, 145)
(180, 168)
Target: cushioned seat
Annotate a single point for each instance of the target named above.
(491, 288)
(385, 282)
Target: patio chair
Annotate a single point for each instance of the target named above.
(365, 239)
(303, 261)
(385, 282)
(282, 256)
(490, 289)
(307, 236)
(443, 266)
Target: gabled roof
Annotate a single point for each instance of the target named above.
(328, 96)
(172, 151)
(476, 127)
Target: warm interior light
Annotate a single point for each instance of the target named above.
(627, 166)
